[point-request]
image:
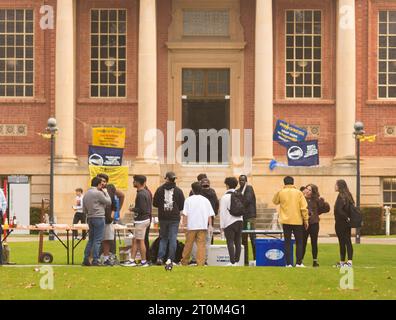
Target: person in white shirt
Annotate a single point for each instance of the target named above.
(231, 225)
(79, 215)
(197, 213)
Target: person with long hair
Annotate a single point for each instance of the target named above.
(316, 206)
(342, 222)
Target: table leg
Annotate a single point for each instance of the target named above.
(72, 248)
(246, 258)
(68, 247)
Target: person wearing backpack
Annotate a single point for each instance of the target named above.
(316, 206)
(249, 218)
(293, 216)
(230, 222)
(169, 199)
(342, 222)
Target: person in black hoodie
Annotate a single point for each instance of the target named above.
(249, 218)
(169, 200)
(342, 222)
(142, 213)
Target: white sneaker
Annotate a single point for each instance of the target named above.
(229, 264)
(130, 263)
(300, 266)
(235, 265)
(289, 266)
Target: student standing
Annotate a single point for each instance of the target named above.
(169, 199)
(293, 217)
(249, 218)
(95, 201)
(79, 215)
(316, 206)
(342, 222)
(142, 213)
(231, 225)
(198, 212)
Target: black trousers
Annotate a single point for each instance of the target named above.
(147, 243)
(252, 237)
(343, 232)
(79, 216)
(313, 232)
(233, 234)
(297, 230)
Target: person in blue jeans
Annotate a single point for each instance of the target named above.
(95, 201)
(169, 199)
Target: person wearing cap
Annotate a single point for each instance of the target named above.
(211, 195)
(169, 199)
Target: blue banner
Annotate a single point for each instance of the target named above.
(285, 132)
(302, 153)
(101, 156)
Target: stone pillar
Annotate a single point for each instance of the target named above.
(346, 82)
(147, 82)
(263, 96)
(65, 81)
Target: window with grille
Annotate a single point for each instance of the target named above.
(389, 192)
(206, 82)
(206, 23)
(303, 53)
(387, 54)
(16, 53)
(108, 53)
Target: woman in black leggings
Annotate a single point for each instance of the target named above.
(342, 222)
(316, 206)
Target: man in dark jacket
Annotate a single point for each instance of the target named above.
(249, 218)
(169, 200)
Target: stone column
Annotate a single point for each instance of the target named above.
(65, 81)
(147, 82)
(263, 96)
(346, 82)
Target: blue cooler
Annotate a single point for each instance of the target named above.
(270, 252)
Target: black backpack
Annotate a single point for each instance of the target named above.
(237, 207)
(355, 216)
(154, 248)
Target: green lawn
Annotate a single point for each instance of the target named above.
(374, 278)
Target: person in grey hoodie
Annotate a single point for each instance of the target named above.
(95, 201)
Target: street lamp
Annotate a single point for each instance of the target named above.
(51, 129)
(358, 133)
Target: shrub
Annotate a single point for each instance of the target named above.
(372, 221)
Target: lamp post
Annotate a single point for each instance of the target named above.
(52, 129)
(358, 134)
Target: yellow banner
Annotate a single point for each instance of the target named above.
(368, 138)
(108, 137)
(117, 175)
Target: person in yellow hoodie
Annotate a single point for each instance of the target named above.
(293, 217)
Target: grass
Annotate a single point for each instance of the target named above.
(374, 278)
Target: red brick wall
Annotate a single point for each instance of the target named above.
(164, 18)
(374, 113)
(101, 111)
(34, 111)
(248, 21)
(307, 112)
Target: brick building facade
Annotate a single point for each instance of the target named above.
(342, 71)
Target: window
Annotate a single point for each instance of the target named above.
(108, 53)
(303, 53)
(16, 53)
(387, 54)
(389, 192)
(206, 23)
(206, 82)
